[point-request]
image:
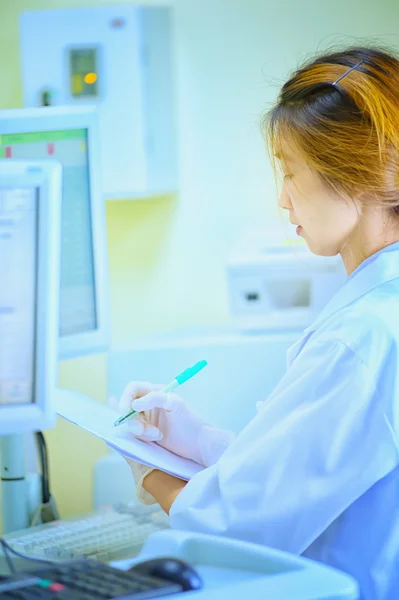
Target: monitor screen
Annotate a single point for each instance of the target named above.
(30, 227)
(78, 311)
(18, 294)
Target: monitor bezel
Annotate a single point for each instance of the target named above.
(27, 120)
(46, 178)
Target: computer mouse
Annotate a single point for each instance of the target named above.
(172, 569)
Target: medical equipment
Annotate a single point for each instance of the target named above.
(119, 58)
(235, 570)
(30, 212)
(71, 137)
(170, 387)
(278, 284)
(108, 534)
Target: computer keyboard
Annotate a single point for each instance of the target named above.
(84, 580)
(109, 534)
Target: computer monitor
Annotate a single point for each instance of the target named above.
(30, 207)
(70, 136)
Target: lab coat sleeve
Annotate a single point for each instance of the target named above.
(318, 443)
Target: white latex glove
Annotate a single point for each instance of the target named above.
(139, 470)
(170, 422)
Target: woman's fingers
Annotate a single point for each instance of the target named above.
(134, 390)
(167, 402)
(143, 430)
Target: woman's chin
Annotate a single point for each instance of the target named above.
(320, 249)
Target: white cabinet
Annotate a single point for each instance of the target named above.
(120, 59)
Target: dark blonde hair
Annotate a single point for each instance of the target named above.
(348, 132)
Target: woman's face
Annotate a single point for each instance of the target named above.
(325, 219)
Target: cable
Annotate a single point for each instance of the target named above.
(47, 511)
(41, 442)
(7, 548)
(10, 566)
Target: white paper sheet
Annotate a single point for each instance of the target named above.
(97, 418)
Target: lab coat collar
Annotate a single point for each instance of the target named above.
(379, 268)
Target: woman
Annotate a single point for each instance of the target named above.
(316, 470)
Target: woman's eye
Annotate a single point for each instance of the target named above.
(287, 177)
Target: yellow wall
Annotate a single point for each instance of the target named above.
(167, 255)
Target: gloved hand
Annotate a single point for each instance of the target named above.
(169, 421)
(140, 472)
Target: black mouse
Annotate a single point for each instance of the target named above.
(172, 569)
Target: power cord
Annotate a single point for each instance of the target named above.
(7, 548)
(41, 444)
(48, 510)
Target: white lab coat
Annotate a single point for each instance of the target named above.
(316, 472)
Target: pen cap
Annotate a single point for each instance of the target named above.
(190, 372)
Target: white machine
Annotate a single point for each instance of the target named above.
(70, 136)
(118, 58)
(30, 210)
(277, 284)
(235, 570)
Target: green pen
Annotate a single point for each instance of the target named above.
(178, 380)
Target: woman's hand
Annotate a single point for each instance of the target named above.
(140, 472)
(169, 421)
